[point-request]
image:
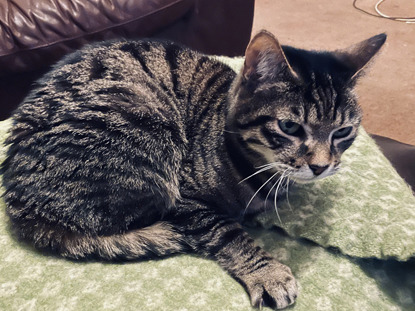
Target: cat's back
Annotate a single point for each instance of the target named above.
(101, 132)
(115, 72)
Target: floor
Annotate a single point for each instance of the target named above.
(387, 92)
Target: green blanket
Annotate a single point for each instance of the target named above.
(349, 240)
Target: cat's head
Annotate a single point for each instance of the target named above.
(296, 108)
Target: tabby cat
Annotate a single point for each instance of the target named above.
(129, 150)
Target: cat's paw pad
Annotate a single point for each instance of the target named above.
(273, 286)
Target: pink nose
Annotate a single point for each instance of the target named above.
(317, 169)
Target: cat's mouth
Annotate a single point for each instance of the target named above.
(306, 175)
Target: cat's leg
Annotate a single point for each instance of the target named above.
(218, 237)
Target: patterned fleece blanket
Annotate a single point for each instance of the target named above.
(349, 240)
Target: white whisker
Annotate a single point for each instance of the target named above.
(275, 204)
(286, 193)
(263, 168)
(276, 193)
(263, 185)
(269, 192)
(256, 173)
(232, 132)
(274, 164)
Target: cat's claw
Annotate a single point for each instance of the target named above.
(273, 286)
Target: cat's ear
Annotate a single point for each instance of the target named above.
(359, 55)
(265, 59)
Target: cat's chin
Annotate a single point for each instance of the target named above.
(304, 180)
(300, 180)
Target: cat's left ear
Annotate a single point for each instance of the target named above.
(359, 55)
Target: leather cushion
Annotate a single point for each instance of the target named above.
(35, 33)
(402, 157)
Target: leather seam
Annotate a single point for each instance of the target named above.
(96, 31)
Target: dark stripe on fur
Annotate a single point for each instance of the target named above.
(225, 238)
(171, 57)
(136, 49)
(345, 144)
(262, 120)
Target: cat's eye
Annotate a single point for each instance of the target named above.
(343, 132)
(290, 127)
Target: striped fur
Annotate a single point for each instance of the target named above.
(129, 150)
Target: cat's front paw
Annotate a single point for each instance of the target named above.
(272, 285)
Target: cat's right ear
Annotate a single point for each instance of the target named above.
(265, 59)
(359, 55)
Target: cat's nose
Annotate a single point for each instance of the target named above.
(317, 169)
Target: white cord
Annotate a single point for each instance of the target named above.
(407, 20)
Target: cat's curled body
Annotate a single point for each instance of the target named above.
(136, 149)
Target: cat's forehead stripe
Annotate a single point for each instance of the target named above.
(324, 100)
(295, 111)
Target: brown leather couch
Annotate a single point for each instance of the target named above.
(36, 33)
